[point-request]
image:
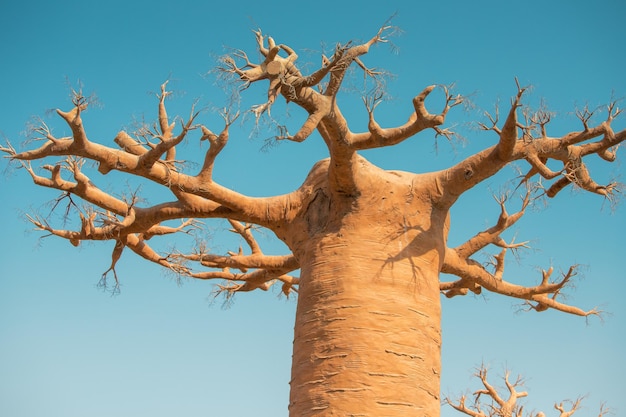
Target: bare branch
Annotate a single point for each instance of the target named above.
(419, 120)
(508, 134)
(474, 276)
(216, 144)
(498, 406)
(258, 271)
(493, 234)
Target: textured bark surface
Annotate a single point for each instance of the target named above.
(367, 337)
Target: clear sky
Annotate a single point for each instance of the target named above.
(160, 349)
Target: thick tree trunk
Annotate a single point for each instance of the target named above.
(367, 336)
(367, 333)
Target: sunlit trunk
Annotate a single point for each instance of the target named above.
(367, 333)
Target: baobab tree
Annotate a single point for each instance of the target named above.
(368, 245)
(497, 405)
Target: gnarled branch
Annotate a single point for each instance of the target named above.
(474, 277)
(499, 406)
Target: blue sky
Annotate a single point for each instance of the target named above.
(162, 349)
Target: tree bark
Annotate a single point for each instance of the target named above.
(367, 333)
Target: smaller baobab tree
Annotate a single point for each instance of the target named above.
(370, 245)
(499, 404)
